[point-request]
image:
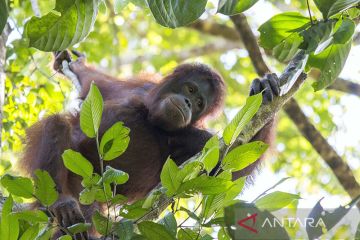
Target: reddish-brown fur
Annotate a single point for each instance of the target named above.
(149, 146)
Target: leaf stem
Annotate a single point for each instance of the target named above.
(308, 6)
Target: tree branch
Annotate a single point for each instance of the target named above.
(334, 161)
(340, 169)
(218, 46)
(346, 86)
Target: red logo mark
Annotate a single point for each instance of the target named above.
(253, 217)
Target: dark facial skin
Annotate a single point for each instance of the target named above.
(181, 102)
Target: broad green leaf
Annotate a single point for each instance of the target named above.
(248, 215)
(69, 23)
(276, 200)
(18, 186)
(206, 185)
(77, 163)
(213, 203)
(345, 31)
(168, 177)
(112, 175)
(187, 234)
(3, 14)
(101, 223)
(279, 27)
(118, 199)
(330, 219)
(330, 62)
(124, 229)
(9, 222)
(210, 153)
(154, 231)
(243, 117)
(176, 13)
(45, 188)
(232, 7)
(91, 112)
(31, 232)
(189, 171)
(91, 181)
(104, 193)
(32, 216)
(331, 7)
(243, 155)
(119, 5)
(169, 223)
(287, 49)
(88, 195)
(115, 141)
(317, 34)
(133, 211)
(79, 228)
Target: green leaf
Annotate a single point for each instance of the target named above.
(189, 171)
(31, 232)
(187, 234)
(331, 7)
(87, 196)
(45, 188)
(9, 223)
(243, 117)
(330, 219)
(168, 177)
(101, 223)
(243, 155)
(69, 23)
(77, 163)
(210, 153)
(317, 34)
(169, 223)
(279, 27)
(287, 49)
(190, 213)
(112, 175)
(330, 62)
(153, 197)
(18, 186)
(133, 211)
(115, 141)
(3, 14)
(232, 7)
(206, 185)
(91, 112)
(124, 229)
(276, 200)
(79, 228)
(154, 231)
(345, 31)
(176, 13)
(33, 216)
